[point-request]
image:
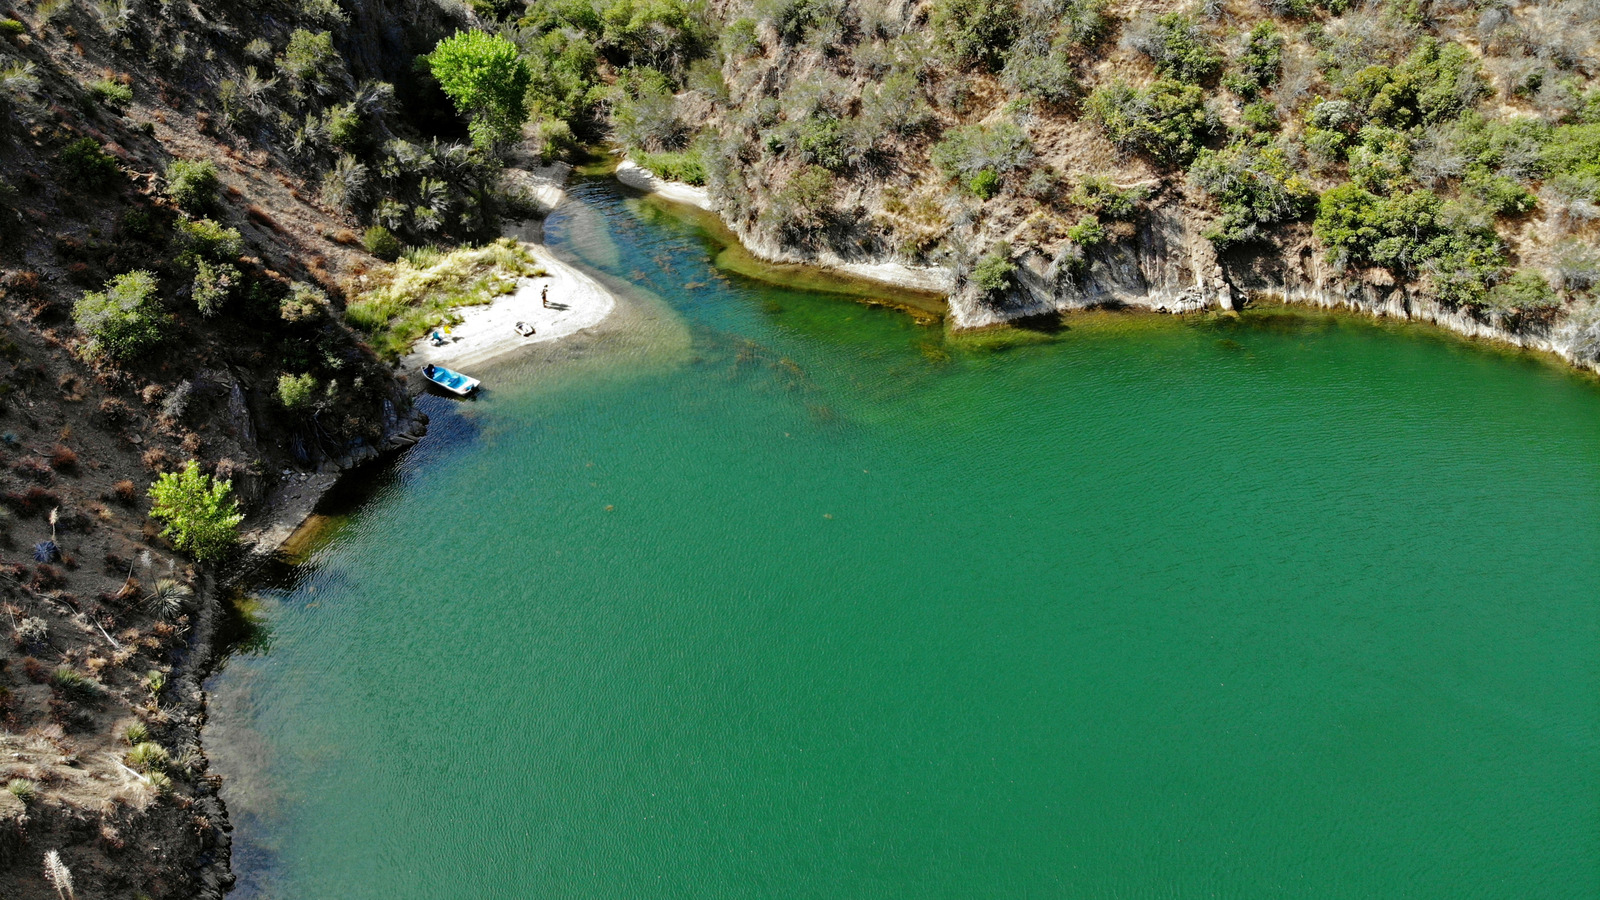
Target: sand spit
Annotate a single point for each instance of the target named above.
(485, 333)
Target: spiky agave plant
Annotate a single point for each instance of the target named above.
(59, 876)
(170, 599)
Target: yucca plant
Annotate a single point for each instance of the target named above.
(136, 734)
(22, 789)
(148, 756)
(170, 599)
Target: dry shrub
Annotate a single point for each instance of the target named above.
(36, 672)
(125, 491)
(255, 213)
(47, 578)
(152, 394)
(34, 469)
(155, 459)
(192, 444)
(64, 459)
(342, 236)
(25, 283)
(115, 411)
(31, 502)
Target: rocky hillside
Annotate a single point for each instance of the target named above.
(189, 199)
(1432, 157)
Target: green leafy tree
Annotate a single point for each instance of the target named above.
(199, 511)
(486, 78)
(124, 319)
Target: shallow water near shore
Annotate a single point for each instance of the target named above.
(771, 594)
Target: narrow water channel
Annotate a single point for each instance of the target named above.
(761, 593)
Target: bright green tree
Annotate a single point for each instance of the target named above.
(199, 511)
(486, 78)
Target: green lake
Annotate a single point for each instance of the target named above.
(760, 593)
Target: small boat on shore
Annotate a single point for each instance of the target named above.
(454, 382)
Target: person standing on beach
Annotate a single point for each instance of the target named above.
(544, 297)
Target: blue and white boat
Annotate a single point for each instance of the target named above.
(454, 382)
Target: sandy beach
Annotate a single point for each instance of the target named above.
(485, 333)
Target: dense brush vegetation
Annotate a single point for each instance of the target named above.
(956, 130)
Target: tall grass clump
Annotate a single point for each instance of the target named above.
(418, 292)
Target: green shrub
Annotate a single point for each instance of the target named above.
(124, 319)
(297, 392)
(995, 272)
(324, 12)
(85, 163)
(984, 184)
(309, 57)
(1435, 83)
(1043, 68)
(136, 733)
(820, 139)
(1573, 150)
(344, 126)
(1168, 121)
(1526, 291)
(563, 64)
(1410, 233)
(1253, 186)
(1087, 232)
(486, 78)
(970, 150)
(739, 40)
(1100, 196)
(556, 140)
(661, 34)
(1499, 194)
(382, 243)
(214, 283)
(897, 106)
(644, 113)
(805, 203)
(200, 515)
(12, 26)
(1261, 115)
(1180, 49)
(1259, 63)
(205, 239)
(111, 92)
(975, 31)
(193, 185)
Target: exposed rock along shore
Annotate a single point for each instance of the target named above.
(1168, 267)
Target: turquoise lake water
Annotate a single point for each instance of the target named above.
(767, 594)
